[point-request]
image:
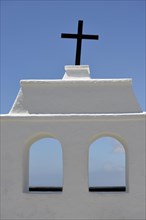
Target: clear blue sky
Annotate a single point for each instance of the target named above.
(31, 46)
(106, 159)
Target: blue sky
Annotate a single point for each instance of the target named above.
(106, 163)
(31, 46)
(46, 163)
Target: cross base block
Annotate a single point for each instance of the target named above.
(77, 72)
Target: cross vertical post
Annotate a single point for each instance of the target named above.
(79, 43)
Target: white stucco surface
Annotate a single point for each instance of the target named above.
(42, 110)
(75, 133)
(76, 96)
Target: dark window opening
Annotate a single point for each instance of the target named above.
(45, 189)
(108, 189)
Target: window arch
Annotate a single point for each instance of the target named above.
(107, 165)
(45, 165)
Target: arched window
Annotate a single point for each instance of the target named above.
(107, 169)
(45, 165)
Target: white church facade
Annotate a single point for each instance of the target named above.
(76, 111)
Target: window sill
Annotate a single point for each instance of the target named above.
(45, 189)
(108, 189)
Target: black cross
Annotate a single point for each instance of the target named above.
(79, 36)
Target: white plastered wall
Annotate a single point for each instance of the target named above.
(76, 111)
(75, 133)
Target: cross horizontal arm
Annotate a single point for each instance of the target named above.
(69, 36)
(92, 37)
(80, 36)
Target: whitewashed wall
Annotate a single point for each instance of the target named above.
(75, 133)
(76, 111)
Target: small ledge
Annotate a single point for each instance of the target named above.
(39, 117)
(54, 82)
